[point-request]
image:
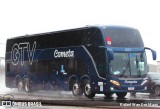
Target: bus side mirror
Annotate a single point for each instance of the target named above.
(154, 54)
(110, 53)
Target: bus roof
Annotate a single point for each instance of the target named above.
(66, 30)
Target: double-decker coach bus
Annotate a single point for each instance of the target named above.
(90, 60)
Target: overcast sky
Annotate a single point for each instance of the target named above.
(20, 17)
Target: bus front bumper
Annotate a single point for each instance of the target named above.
(126, 88)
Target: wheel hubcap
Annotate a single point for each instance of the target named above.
(157, 91)
(88, 88)
(27, 86)
(75, 88)
(20, 85)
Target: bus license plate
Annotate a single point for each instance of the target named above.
(130, 88)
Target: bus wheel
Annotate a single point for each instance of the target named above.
(133, 93)
(157, 90)
(87, 90)
(121, 94)
(76, 89)
(108, 94)
(20, 85)
(27, 86)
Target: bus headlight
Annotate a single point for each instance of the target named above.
(115, 82)
(144, 82)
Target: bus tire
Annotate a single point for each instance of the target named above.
(87, 89)
(108, 94)
(133, 93)
(20, 85)
(157, 90)
(27, 85)
(121, 94)
(76, 89)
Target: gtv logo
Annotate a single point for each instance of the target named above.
(17, 53)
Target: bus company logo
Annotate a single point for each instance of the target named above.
(8, 97)
(17, 53)
(7, 100)
(130, 82)
(58, 54)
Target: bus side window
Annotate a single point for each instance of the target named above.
(96, 38)
(81, 67)
(62, 39)
(75, 38)
(100, 59)
(92, 36)
(71, 64)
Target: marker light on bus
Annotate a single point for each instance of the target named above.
(115, 82)
(144, 82)
(145, 88)
(108, 40)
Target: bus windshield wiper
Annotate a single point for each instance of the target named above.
(122, 74)
(137, 66)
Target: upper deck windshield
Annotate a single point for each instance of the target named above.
(129, 64)
(123, 37)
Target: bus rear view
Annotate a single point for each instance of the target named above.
(128, 69)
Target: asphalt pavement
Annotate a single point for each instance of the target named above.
(63, 99)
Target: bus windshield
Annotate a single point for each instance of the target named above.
(123, 37)
(129, 64)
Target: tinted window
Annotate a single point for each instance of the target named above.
(39, 67)
(81, 67)
(123, 37)
(100, 61)
(92, 36)
(75, 37)
(62, 39)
